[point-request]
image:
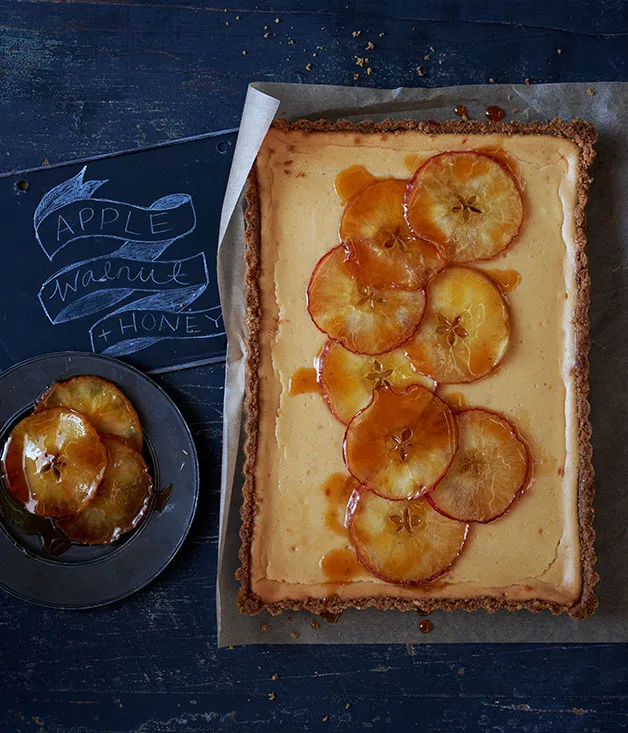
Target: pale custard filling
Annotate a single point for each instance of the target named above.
(533, 551)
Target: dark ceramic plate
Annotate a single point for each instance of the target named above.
(35, 562)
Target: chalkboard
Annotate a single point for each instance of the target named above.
(116, 255)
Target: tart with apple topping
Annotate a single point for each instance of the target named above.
(465, 332)
(363, 318)
(404, 542)
(401, 445)
(383, 251)
(489, 471)
(347, 380)
(467, 204)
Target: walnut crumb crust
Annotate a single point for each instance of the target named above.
(584, 135)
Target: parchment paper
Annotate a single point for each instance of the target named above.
(604, 104)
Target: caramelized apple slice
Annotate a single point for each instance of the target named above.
(489, 471)
(362, 318)
(347, 380)
(53, 462)
(404, 542)
(121, 502)
(102, 403)
(383, 252)
(465, 332)
(467, 204)
(402, 444)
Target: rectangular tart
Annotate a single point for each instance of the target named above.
(509, 526)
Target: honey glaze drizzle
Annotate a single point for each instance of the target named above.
(338, 488)
(303, 381)
(340, 565)
(455, 400)
(498, 152)
(506, 279)
(412, 162)
(351, 181)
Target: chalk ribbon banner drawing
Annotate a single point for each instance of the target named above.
(150, 295)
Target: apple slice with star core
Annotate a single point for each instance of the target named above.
(405, 542)
(402, 443)
(364, 319)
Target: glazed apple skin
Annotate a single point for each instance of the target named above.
(53, 462)
(468, 204)
(122, 501)
(107, 408)
(382, 250)
(513, 447)
(363, 319)
(347, 380)
(403, 542)
(402, 444)
(465, 331)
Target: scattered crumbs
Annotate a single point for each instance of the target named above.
(266, 35)
(276, 20)
(325, 718)
(308, 67)
(291, 42)
(527, 80)
(230, 647)
(227, 22)
(590, 92)
(264, 627)
(45, 161)
(355, 34)
(275, 677)
(420, 71)
(244, 53)
(272, 696)
(294, 635)
(370, 46)
(432, 49)
(315, 673)
(360, 61)
(381, 35)
(491, 80)
(347, 706)
(237, 17)
(314, 54)
(185, 452)
(316, 625)
(426, 57)
(356, 77)
(265, 27)
(322, 27)
(369, 71)
(559, 50)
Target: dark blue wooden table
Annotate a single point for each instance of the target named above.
(82, 78)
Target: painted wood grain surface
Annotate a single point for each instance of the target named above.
(82, 78)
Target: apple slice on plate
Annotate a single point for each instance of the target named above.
(347, 380)
(402, 443)
(383, 251)
(490, 469)
(364, 319)
(102, 403)
(467, 204)
(465, 332)
(405, 542)
(122, 499)
(53, 462)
